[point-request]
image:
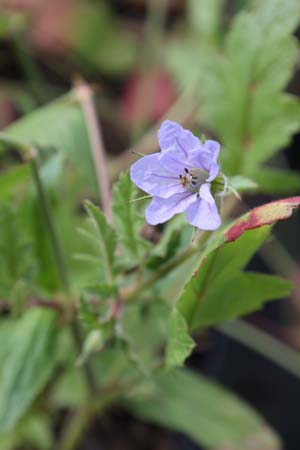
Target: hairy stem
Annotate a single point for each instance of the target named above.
(172, 264)
(85, 96)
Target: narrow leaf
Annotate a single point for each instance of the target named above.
(242, 184)
(128, 221)
(27, 366)
(277, 181)
(210, 415)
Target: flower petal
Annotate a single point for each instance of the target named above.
(160, 210)
(173, 135)
(212, 149)
(203, 215)
(205, 193)
(174, 161)
(150, 176)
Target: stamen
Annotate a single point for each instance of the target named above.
(186, 170)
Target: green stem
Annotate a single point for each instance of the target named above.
(80, 421)
(166, 268)
(156, 17)
(59, 259)
(30, 68)
(46, 208)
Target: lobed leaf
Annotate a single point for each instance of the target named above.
(106, 239)
(60, 125)
(128, 222)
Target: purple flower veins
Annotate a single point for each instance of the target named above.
(182, 177)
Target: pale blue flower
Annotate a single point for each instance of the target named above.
(180, 178)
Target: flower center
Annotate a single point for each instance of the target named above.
(193, 179)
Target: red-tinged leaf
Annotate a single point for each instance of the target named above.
(262, 215)
(218, 290)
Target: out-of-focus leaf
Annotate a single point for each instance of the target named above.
(242, 184)
(179, 344)
(101, 290)
(128, 221)
(204, 17)
(27, 364)
(70, 390)
(144, 330)
(58, 125)
(99, 39)
(177, 233)
(94, 342)
(277, 181)
(240, 91)
(33, 431)
(15, 251)
(207, 413)
(106, 239)
(218, 290)
(12, 179)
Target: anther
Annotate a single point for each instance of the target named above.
(186, 170)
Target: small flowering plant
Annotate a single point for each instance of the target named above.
(184, 177)
(117, 328)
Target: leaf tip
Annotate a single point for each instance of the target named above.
(262, 215)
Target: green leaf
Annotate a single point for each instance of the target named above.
(98, 38)
(101, 290)
(33, 431)
(277, 181)
(204, 17)
(12, 179)
(240, 88)
(177, 233)
(242, 184)
(128, 221)
(59, 125)
(106, 239)
(218, 290)
(180, 344)
(219, 266)
(207, 413)
(235, 296)
(144, 329)
(27, 364)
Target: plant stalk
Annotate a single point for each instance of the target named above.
(169, 266)
(59, 259)
(84, 95)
